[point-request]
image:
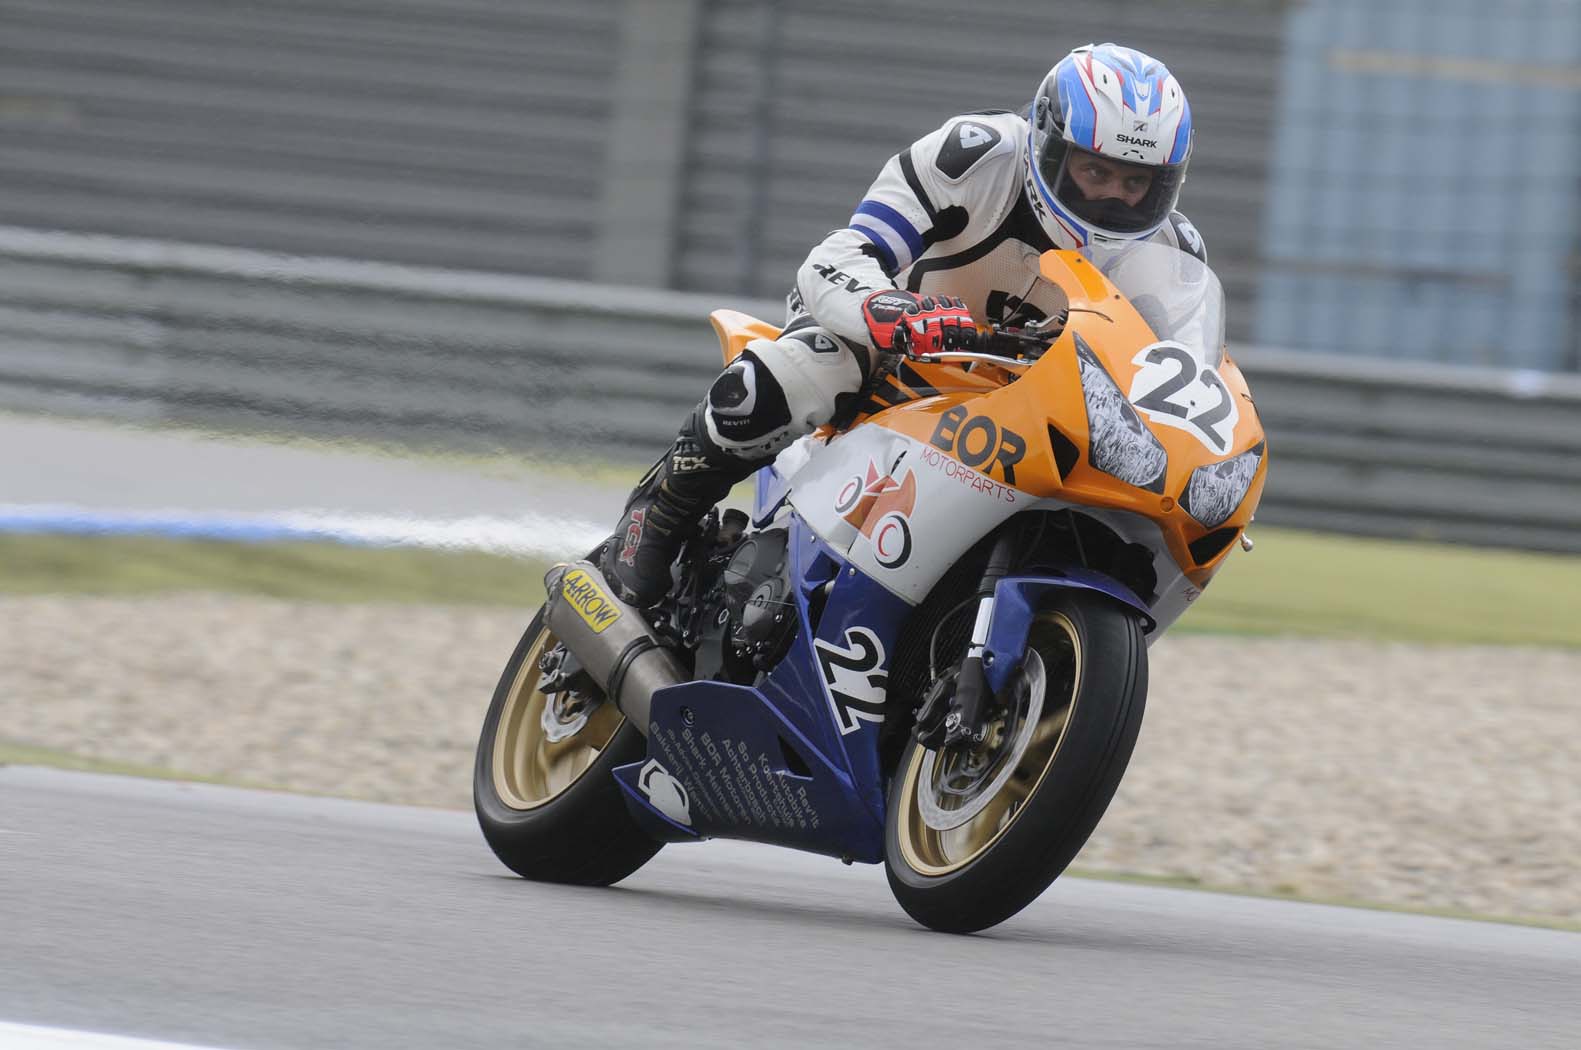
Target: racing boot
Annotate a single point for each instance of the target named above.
(665, 508)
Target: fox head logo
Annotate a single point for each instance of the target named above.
(866, 498)
(880, 507)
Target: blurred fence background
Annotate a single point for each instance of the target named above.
(1396, 180)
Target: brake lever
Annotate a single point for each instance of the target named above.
(1035, 335)
(1011, 346)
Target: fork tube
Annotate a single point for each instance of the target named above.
(964, 722)
(998, 567)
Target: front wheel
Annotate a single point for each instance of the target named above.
(973, 838)
(542, 785)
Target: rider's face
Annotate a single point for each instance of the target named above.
(1100, 179)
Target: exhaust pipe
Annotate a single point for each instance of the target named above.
(612, 640)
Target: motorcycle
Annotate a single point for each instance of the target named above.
(926, 646)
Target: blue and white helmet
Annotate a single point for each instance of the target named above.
(1125, 107)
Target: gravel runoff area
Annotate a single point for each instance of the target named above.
(1413, 775)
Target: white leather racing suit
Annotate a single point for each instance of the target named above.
(951, 214)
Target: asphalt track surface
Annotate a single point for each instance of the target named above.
(229, 918)
(104, 466)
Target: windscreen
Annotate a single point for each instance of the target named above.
(1178, 295)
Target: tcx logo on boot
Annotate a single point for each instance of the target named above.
(597, 609)
(979, 442)
(633, 537)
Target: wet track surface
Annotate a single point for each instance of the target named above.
(241, 919)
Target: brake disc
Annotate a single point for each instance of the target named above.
(1033, 680)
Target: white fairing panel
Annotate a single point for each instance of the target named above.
(901, 511)
(904, 512)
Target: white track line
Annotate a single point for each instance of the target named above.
(35, 1037)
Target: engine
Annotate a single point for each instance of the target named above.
(750, 612)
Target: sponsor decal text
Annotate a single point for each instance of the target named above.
(979, 442)
(596, 608)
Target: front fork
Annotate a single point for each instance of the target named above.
(953, 712)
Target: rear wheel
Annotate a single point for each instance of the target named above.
(541, 784)
(973, 838)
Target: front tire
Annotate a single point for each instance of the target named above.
(551, 810)
(1036, 813)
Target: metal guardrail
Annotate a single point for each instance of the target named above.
(186, 334)
(1463, 454)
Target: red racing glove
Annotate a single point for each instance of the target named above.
(915, 325)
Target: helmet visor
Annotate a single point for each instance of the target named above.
(1113, 196)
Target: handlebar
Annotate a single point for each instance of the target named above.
(1008, 347)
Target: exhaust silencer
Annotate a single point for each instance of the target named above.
(611, 639)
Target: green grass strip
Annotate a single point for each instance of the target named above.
(1324, 585)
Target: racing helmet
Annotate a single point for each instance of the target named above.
(1107, 121)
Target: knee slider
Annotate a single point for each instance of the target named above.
(746, 404)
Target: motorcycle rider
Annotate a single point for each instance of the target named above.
(950, 231)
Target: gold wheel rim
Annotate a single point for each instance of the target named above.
(529, 770)
(928, 851)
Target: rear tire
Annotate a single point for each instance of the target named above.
(552, 811)
(971, 877)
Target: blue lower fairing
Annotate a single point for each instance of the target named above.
(794, 759)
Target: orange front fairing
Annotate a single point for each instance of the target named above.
(1035, 433)
(1156, 376)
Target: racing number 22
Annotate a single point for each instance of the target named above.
(1158, 399)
